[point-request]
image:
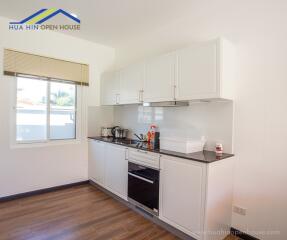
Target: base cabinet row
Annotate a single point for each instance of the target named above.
(195, 197)
(108, 167)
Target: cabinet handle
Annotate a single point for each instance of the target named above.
(140, 95)
(141, 178)
(126, 154)
(117, 98)
(174, 92)
(142, 151)
(176, 63)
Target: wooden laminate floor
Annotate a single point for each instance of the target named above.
(81, 212)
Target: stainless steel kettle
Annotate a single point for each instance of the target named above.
(118, 132)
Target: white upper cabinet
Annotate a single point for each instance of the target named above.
(197, 72)
(110, 88)
(131, 84)
(97, 161)
(205, 71)
(160, 79)
(116, 176)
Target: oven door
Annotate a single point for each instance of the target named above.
(143, 187)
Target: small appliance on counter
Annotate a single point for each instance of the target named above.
(120, 133)
(106, 132)
(183, 145)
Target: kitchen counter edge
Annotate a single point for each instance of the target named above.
(204, 156)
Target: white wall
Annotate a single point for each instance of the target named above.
(99, 116)
(212, 120)
(29, 169)
(258, 29)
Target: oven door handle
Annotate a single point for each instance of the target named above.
(141, 178)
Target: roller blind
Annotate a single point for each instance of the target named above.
(29, 64)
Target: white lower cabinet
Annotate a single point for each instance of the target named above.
(97, 161)
(182, 187)
(108, 167)
(195, 197)
(116, 170)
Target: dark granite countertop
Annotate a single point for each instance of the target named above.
(204, 156)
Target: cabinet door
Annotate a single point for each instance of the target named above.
(181, 194)
(116, 179)
(160, 79)
(131, 84)
(97, 161)
(197, 75)
(110, 84)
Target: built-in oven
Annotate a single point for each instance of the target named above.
(143, 187)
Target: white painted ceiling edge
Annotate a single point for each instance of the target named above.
(109, 22)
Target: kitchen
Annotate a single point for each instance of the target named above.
(149, 120)
(149, 169)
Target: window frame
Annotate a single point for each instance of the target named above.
(31, 143)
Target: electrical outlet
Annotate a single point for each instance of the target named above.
(239, 210)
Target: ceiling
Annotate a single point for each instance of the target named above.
(109, 22)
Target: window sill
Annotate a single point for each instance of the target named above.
(46, 144)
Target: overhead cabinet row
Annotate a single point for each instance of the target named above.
(200, 71)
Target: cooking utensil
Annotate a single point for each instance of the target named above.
(106, 132)
(119, 132)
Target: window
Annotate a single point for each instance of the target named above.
(45, 110)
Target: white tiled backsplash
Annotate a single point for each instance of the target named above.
(213, 120)
(99, 116)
